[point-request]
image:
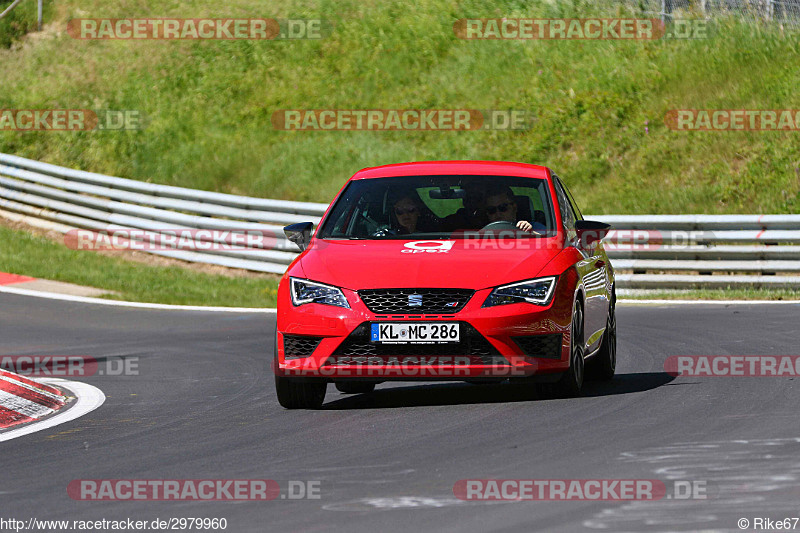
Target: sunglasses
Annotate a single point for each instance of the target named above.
(409, 211)
(492, 209)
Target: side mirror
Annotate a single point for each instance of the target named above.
(591, 231)
(299, 233)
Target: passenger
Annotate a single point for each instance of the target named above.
(409, 214)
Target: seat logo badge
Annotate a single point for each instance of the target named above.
(415, 300)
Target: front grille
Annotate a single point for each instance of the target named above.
(472, 345)
(439, 301)
(547, 346)
(299, 345)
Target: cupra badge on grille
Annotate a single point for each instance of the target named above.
(415, 300)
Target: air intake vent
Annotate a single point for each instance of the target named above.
(415, 301)
(299, 345)
(547, 346)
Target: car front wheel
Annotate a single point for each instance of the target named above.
(294, 393)
(570, 384)
(603, 365)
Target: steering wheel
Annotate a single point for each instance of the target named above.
(499, 225)
(384, 232)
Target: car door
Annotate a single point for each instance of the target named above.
(592, 269)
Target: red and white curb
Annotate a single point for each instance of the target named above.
(13, 279)
(23, 400)
(34, 405)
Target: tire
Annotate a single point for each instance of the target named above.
(296, 394)
(355, 387)
(570, 384)
(602, 366)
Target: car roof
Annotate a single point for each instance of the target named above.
(428, 168)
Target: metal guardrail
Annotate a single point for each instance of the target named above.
(7, 10)
(649, 251)
(785, 12)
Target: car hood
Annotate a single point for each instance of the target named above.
(356, 264)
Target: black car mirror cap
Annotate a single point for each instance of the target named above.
(591, 231)
(299, 233)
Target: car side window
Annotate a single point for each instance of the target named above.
(578, 214)
(567, 213)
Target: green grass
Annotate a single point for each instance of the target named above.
(599, 105)
(20, 20)
(730, 293)
(24, 253)
(599, 108)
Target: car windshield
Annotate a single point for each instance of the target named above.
(440, 207)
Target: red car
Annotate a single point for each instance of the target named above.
(458, 270)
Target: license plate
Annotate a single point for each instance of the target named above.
(408, 332)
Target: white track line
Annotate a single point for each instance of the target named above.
(707, 302)
(101, 301)
(269, 310)
(88, 398)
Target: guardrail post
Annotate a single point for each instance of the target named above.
(666, 11)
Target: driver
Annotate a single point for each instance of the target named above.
(500, 206)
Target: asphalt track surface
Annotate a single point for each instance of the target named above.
(203, 407)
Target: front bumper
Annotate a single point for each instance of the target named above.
(514, 340)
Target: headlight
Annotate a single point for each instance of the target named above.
(306, 292)
(536, 291)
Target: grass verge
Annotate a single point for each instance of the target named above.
(21, 20)
(22, 252)
(599, 104)
(730, 293)
(599, 108)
